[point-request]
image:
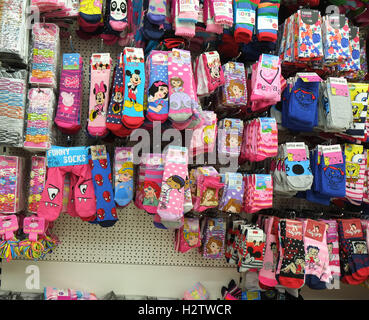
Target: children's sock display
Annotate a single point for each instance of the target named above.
(134, 83)
(234, 92)
(213, 239)
(106, 212)
(222, 12)
(232, 197)
(184, 20)
(100, 67)
(230, 137)
(172, 190)
(123, 175)
(68, 114)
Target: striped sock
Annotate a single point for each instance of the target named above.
(244, 17)
(267, 21)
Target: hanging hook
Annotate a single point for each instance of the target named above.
(239, 55)
(101, 44)
(71, 43)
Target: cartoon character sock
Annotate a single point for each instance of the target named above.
(316, 254)
(267, 20)
(244, 16)
(119, 13)
(213, 244)
(91, 10)
(181, 93)
(213, 70)
(106, 212)
(232, 197)
(187, 205)
(152, 184)
(292, 267)
(355, 171)
(158, 91)
(100, 67)
(234, 92)
(140, 178)
(68, 114)
(157, 11)
(123, 170)
(134, 73)
(115, 109)
(188, 236)
(172, 190)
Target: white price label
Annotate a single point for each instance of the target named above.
(245, 16)
(268, 23)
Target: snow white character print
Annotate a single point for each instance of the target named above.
(134, 82)
(158, 97)
(99, 93)
(173, 183)
(297, 266)
(311, 257)
(179, 99)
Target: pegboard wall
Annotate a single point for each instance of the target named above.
(133, 239)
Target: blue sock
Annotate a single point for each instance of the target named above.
(313, 282)
(151, 31)
(333, 179)
(106, 212)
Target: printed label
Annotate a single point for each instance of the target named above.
(101, 58)
(332, 154)
(71, 61)
(124, 153)
(187, 6)
(269, 61)
(256, 235)
(315, 230)
(268, 125)
(309, 16)
(294, 229)
(133, 54)
(268, 23)
(60, 157)
(339, 87)
(263, 182)
(309, 77)
(181, 56)
(250, 295)
(245, 16)
(221, 8)
(177, 155)
(296, 151)
(8, 224)
(160, 58)
(34, 226)
(352, 228)
(234, 180)
(98, 152)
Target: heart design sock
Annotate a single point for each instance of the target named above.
(68, 114)
(100, 68)
(106, 212)
(157, 11)
(123, 169)
(134, 83)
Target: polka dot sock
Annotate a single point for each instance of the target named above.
(172, 190)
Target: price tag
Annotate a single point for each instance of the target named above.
(294, 229)
(315, 230)
(246, 16)
(268, 23)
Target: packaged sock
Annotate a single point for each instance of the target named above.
(244, 13)
(213, 70)
(68, 114)
(222, 12)
(181, 93)
(134, 83)
(158, 90)
(208, 188)
(188, 236)
(184, 21)
(234, 92)
(172, 190)
(355, 170)
(157, 11)
(115, 109)
(119, 13)
(232, 197)
(211, 26)
(333, 252)
(267, 20)
(123, 175)
(152, 183)
(106, 212)
(316, 254)
(230, 137)
(213, 243)
(100, 67)
(291, 268)
(90, 10)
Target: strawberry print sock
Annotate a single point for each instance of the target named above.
(106, 212)
(172, 190)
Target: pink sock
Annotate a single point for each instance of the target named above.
(100, 67)
(267, 273)
(222, 12)
(213, 70)
(267, 83)
(172, 190)
(180, 85)
(211, 26)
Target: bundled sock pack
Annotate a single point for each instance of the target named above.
(157, 11)
(158, 90)
(119, 14)
(244, 17)
(352, 64)
(83, 195)
(316, 255)
(290, 271)
(106, 212)
(115, 109)
(213, 231)
(209, 73)
(258, 192)
(230, 137)
(181, 90)
(134, 83)
(234, 91)
(211, 26)
(100, 68)
(267, 20)
(232, 196)
(188, 236)
(185, 18)
(123, 175)
(68, 114)
(171, 199)
(153, 178)
(222, 12)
